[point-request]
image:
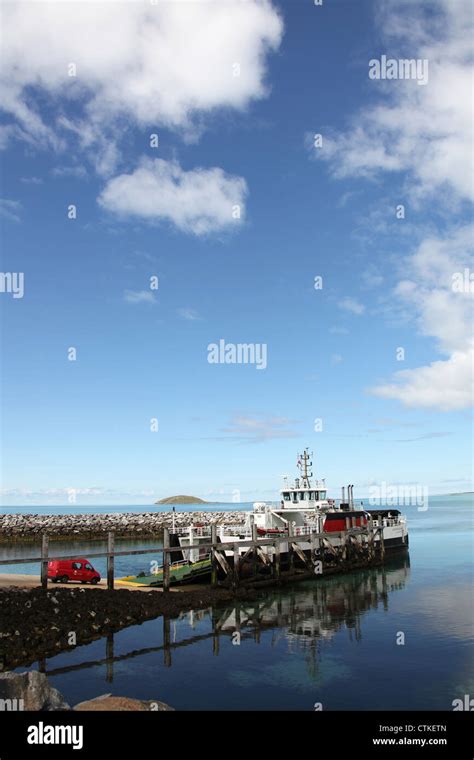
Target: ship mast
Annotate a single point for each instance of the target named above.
(303, 465)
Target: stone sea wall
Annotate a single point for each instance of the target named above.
(127, 524)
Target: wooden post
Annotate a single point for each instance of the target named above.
(382, 544)
(370, 537)
(236, 565)
(313, 549)
(254, 549)
(213, 556)
(166, 641)
(343, 546)
(276, 560)
(110, 560)
(109, 656)
(44, 561)
(215, 640)
(291, 556)
(166, 559)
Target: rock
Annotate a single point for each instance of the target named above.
(33, 689)
(128, 524)
(119, 704)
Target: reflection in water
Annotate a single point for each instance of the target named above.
(304, 615)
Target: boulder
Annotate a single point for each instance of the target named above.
(29, 691)
(108, 703)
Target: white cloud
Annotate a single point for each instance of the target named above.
(371, 278)
(189, 314)
(197, 201)
(10, 209)
(352, 305)
(31, 180)
(69, 171)
(162, 64)
(423, 130)
(139, 296)
(442, 313)
(446, 385)
(259, 428)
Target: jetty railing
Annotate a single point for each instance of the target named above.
(357, 538)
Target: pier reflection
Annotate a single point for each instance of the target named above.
(303, 616)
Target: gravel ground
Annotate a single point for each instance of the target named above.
(35, 623)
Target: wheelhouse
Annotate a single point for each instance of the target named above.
(299, 495)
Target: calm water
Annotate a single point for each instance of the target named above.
(330, 641)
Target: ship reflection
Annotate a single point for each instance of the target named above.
(303, 615)
(311, 611)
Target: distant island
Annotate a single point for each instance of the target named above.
(182, 500)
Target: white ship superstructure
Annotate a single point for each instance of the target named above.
(303, 509)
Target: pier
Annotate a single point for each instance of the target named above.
(356, 548)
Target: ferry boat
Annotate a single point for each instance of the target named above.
(304, 509)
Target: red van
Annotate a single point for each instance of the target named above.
(64, 570)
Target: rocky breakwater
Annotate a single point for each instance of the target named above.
(127, 524)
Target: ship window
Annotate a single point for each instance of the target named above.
(286, 496)
(302, 495)
(322, 494)
(295, 496)
(312, 496)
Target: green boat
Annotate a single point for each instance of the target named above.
(180, 572)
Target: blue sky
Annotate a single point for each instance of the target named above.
(227, 139)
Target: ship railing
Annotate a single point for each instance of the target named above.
(232, 530)
(388, 522)
(303, 530)
(197, 532)
(205, 532)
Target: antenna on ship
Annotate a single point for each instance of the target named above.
(303, 465)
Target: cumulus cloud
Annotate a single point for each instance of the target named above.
(10, 209)
(443, 311)
(191, 315)
(31, 180)
(69, 171)
(256, 429)
(352, 305)
(422, 130)
(197, 201)
(139, 296)
(162, 64)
